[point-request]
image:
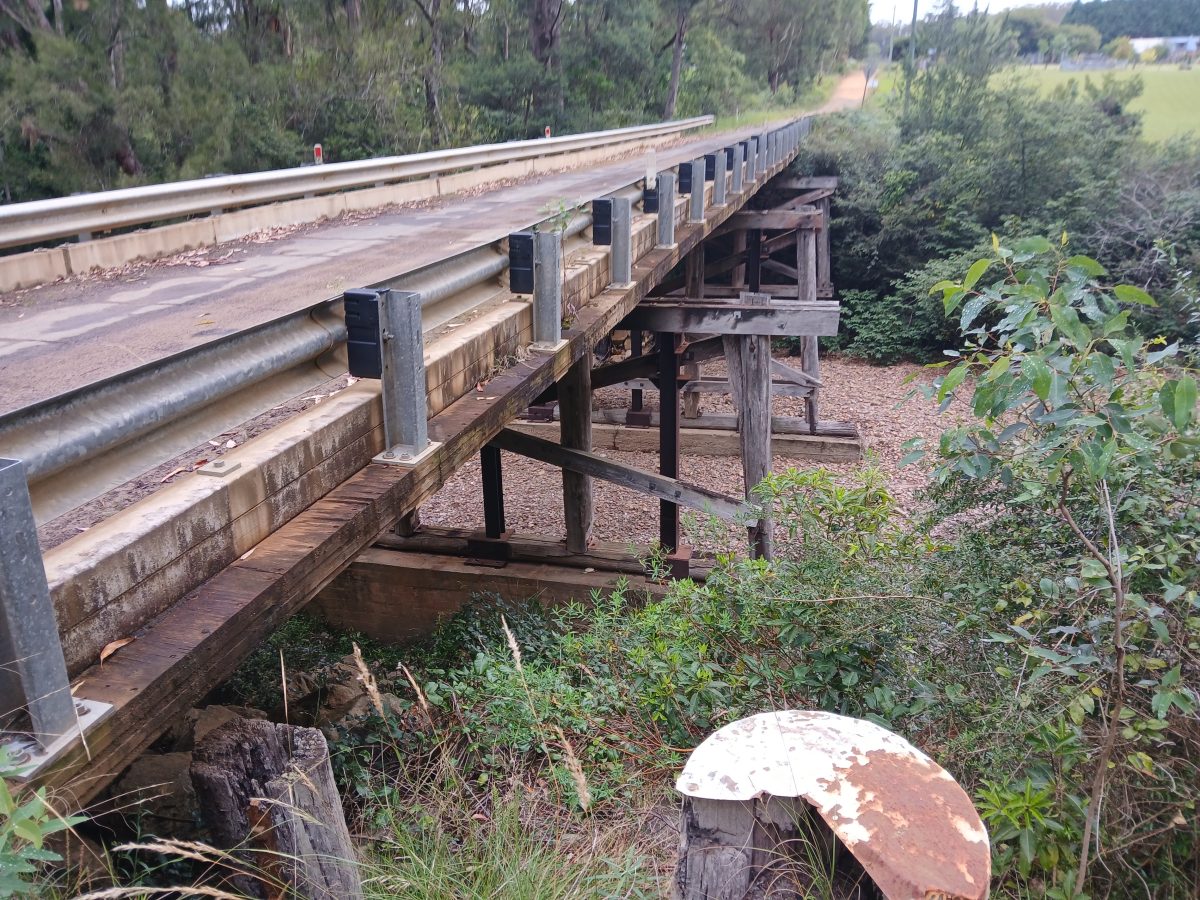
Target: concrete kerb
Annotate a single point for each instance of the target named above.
(42, 266)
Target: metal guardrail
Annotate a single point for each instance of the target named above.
(23, 224)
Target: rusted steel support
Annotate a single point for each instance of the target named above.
(668, 436)
(493, 491)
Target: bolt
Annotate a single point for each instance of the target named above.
(406, 456)
(389, 455)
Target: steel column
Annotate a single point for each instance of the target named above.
(493, 491)
(33, 673)
(622, 241)
(696, 206)
(719, 179)
(739, 167)
(668, 436)
(547, 289)
(666, 209)
(405, 410)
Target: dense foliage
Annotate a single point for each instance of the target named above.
(107, 93)
(960, 152)
(1136, 18)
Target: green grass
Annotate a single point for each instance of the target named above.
(1170, 102)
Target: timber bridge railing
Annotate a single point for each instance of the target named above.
(198, 573)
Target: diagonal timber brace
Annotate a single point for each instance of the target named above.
(728, 508)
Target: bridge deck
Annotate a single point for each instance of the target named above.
(62, 336)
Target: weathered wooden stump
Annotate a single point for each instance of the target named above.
(799, 803)
(268, 788)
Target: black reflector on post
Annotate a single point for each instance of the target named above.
(362, 333)
(602, 222)
(520, 262)
(685, 179)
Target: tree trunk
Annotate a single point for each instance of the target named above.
(58, 18)
(270, 787)
(544, 24)
(676, 64)
(432, 76)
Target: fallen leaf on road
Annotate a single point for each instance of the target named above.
(113, 646)
(230, 444)
(170, 475)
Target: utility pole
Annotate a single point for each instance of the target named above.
(912, 60)
(892, 36)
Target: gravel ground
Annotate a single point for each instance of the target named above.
(876, 398)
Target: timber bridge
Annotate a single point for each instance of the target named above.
(472, 327)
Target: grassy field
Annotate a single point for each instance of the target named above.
(1170, 101)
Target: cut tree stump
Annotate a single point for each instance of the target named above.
(268, 788)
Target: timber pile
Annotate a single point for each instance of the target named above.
(267, 790)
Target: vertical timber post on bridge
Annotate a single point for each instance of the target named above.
(807, 269)
(749, 360)
(575, 433)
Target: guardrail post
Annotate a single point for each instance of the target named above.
(760, 156)
(719, 169)
(402, 351)
(621, 260)
(739, 167)
(696, 207)
(666, 209)
(33, 672)
(751, 164)
(547, 290)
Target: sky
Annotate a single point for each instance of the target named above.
(881, 10)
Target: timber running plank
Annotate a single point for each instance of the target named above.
(197, 643)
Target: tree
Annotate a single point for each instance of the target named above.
(1087, 427)
(681, 17)
(1120, 48)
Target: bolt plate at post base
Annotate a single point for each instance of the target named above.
(547, 346)
(218, 468)
(404, 456)
(494, 553)
(30, 758)
(680, 562)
